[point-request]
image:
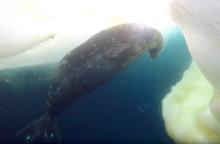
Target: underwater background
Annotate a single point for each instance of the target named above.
(126, 109)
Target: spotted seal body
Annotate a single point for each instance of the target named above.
(96, 61)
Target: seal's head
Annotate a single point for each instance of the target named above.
(132, 40)
(147, 39)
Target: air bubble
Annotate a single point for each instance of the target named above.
(28, 138)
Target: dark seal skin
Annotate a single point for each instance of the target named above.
(90, 65)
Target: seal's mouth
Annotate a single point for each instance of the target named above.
(154, 52)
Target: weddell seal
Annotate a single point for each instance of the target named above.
(88, 66)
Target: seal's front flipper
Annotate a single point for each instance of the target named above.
(42, 130)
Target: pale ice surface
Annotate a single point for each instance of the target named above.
(43, 31)
(199, 20)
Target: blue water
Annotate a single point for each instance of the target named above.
(126, 109)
